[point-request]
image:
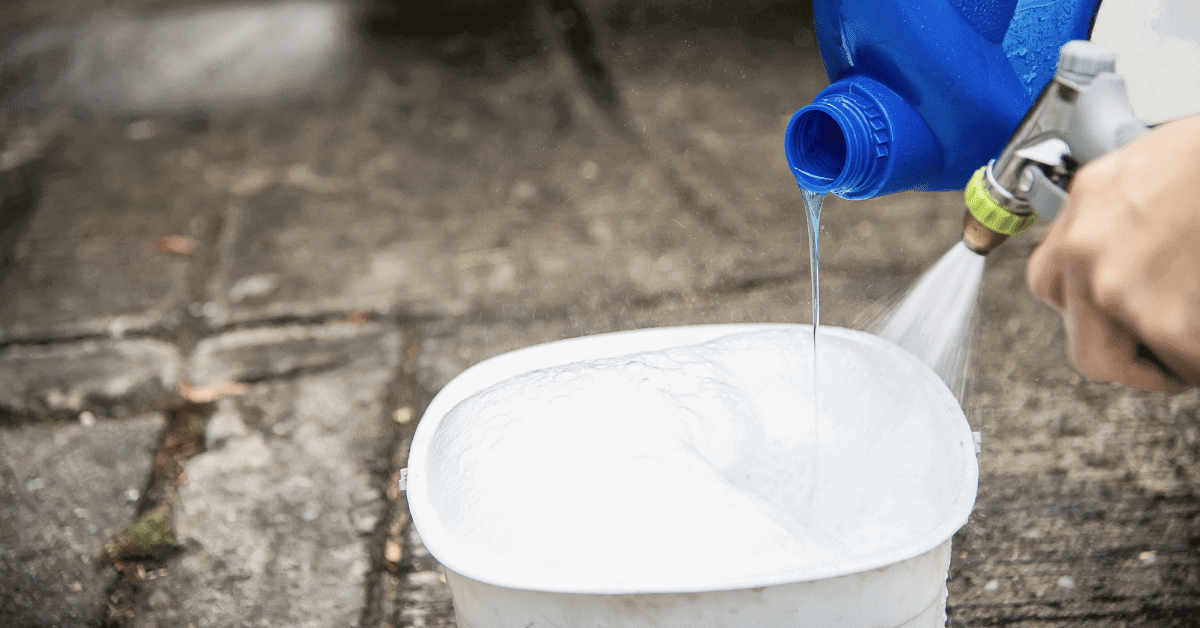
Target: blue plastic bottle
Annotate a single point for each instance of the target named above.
(924, 92)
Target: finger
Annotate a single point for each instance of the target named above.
(1044, 274)
(1147, 375)
(1045, 267)
(1178, 369)
(1148, 300)
(1104, 350)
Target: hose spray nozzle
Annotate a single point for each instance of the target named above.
(1082, 114)
(987, 223)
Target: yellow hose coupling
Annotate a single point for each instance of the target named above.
(991, 214)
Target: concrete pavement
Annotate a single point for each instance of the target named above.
(305, 278)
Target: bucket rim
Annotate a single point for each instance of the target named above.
(443, 545)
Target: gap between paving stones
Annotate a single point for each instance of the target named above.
(408, 400)
(148, 543)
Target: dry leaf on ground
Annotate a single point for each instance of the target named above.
(174, 244)
(212, 392)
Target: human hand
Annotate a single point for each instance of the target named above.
(1122, 261)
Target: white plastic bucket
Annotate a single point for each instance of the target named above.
(902, 584)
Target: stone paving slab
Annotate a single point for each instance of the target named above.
(110, 378)
(276, 515)
(85, 264)
(66, 490)
(202, 58)
(19, 191)
(452, 207)
(286, 351)
(1049, 550)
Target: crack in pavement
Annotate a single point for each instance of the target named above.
(391, 455)
(134, 559)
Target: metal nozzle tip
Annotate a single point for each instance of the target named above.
(978, 237)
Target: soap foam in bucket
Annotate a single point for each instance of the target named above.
(563, 483)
